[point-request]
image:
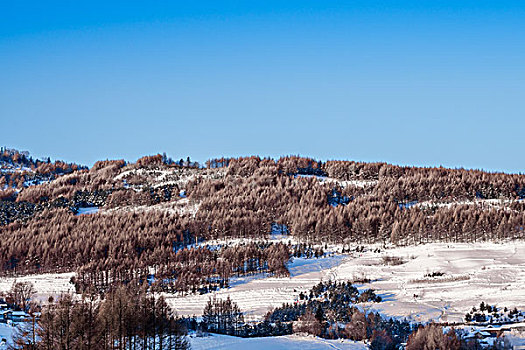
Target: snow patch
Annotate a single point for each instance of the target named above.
(288, 342)
(342, 183)
(87, 210)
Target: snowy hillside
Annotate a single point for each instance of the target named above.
(471, 273)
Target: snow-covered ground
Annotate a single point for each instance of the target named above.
(467, 274)
(484, 203)
(342, 183)
(87, 210)
(46, 285)
(493, 273)
(171, 176)
(224, 342)
(182, 206)
(6, 333)
(257, 294)
(290, 342)
(489, 272)
(471, 273)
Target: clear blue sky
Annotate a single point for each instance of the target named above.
(408, 82)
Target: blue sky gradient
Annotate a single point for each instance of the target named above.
(407, 82)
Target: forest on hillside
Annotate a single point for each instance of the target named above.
(158, 215)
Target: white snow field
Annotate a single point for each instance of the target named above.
(467, 274)
(493, 273)
(290, 342)
(46, 285)
(257, 294)
(6, 333)
(489, 272)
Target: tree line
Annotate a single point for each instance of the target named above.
(125, 318)
(107, 250)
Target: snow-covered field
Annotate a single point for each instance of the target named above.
(46, 285)
(257, 294)
(493, 273)
(224, 342)
(290, 342)
(466, 275)
(6, 332)
(490, 272)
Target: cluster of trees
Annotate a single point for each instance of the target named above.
(438, 183)
(101, 177)
(255, 193)
(303, 250)
(189, 270)
(492, 314)
(163, 159)
(98, 186)
(218, 163)
(329, 314)
(20, 294)
(379, 332)
(248, 205)
(13, 211)
(57, 240)
(330, 300)
(20, 170)
(120, 248)
(126, 318)
(433, 336)
(401, 182)
(223, 316)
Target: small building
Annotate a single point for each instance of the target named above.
(480, 335)
(495, 332)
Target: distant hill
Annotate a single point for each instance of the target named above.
(145, 212)
(19, 170)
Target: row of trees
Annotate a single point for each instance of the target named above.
(193, 270)
(127, 318)
(433, 336)
(29, 170)
(397, 183)
(409, 183)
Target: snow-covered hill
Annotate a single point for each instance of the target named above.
(471, 273)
